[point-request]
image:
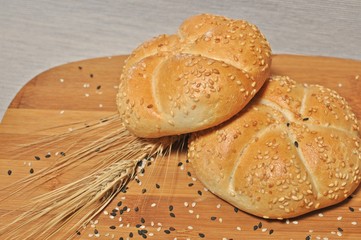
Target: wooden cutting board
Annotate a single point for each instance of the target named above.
(167, 200)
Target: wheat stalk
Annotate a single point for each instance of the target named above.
(115, 159)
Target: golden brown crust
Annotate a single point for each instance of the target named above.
(294, 149)
(195, 79)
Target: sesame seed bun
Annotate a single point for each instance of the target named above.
(293, 149)
(195, 79)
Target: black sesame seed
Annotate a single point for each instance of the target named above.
(138, 225)
(157, 185)
(167, 231)
(136, 209)
(31, 171)
(349, 197)
(171, 207)
(340, 229)
(130, 234)
(144, 190)
(199, 192)
(142, 220)
(121, 211)
(142, 171)
(180, 164)
(80, 67)
(125, 208)
(308, 237)
(190, 184)
(62, 154)
(137, 180)
(172, 229)
(172, 215)
(189, 174)
(296, 144)
(144, 236)
(259, 225)
(99, 87)
(255, 227)
(78, 233)
(37, 158)
(91, 75)
(47, 155)
(10, 172)
(213, 218)
(113, 214)
(351, 209)
(236, 209)
(288, 124)
(121, 238)
(305, 119)
(187, 161)
(202, 235)
(271, 231)
(112, 227)
(96, 231)
(119, 203)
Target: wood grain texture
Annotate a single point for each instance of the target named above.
(84, 91)
(40, 34)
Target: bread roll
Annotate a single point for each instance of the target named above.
(192, 80)
(294, 149)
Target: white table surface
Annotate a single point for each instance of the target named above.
(39, 34)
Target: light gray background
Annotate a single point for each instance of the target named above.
(39, 34)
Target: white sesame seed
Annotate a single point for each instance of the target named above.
(339, 233)
(295, 222)
(320, 214)
(62, 112)
(186, 204)
(238, 228)
(287, 221)
(339, 85)
(339, 218)
(151, 234)
(197, 216)
(100, 105)
(153, 205)
(190, 227)
(354, 223)
(218, 205)
(264, 229)
(190, 211)
(61, 80)
(194, 204)
(90, 235)
(357, 77)
(86, 95)
(105, 212)
(220, 220)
